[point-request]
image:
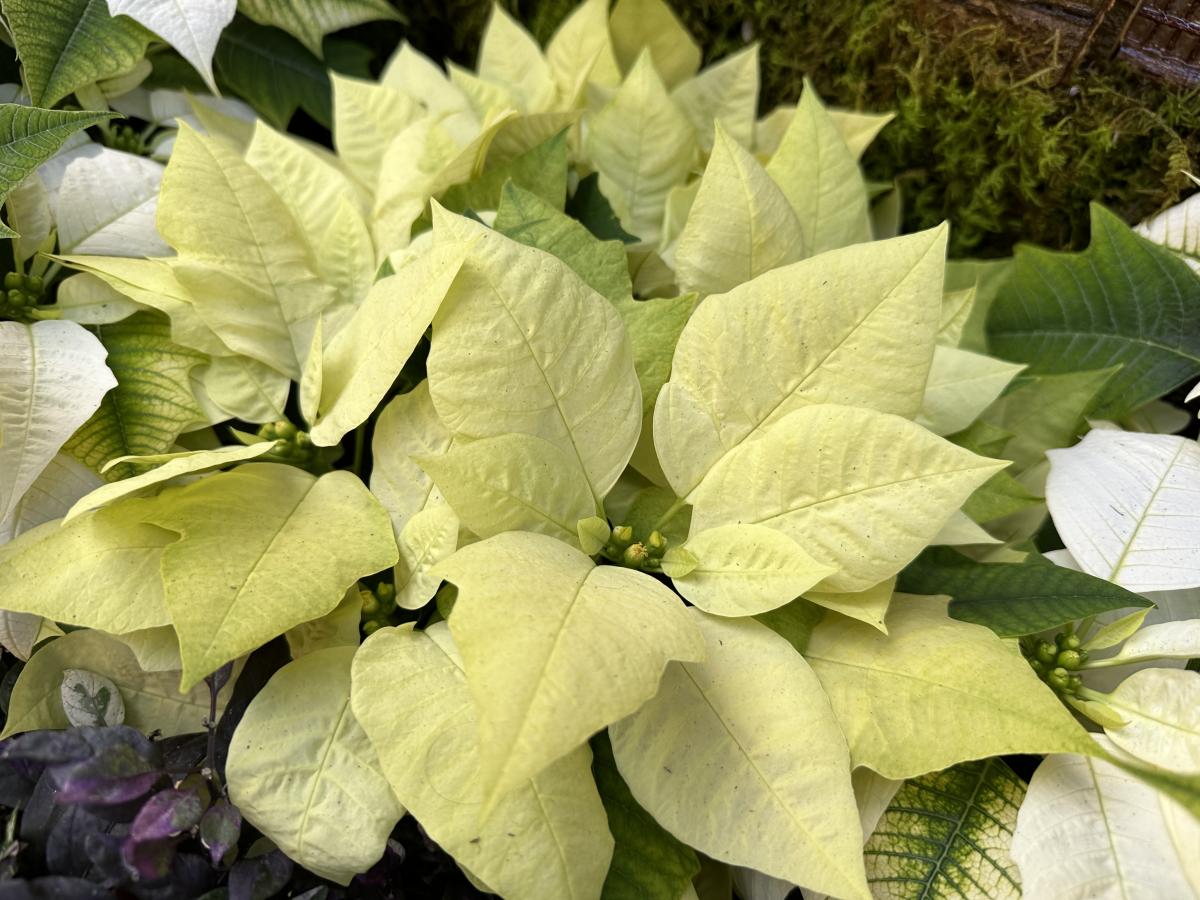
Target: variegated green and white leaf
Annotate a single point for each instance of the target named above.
(948, 835)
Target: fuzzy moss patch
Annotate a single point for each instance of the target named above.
(981, 136)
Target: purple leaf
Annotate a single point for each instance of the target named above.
(167, 814)
(149, 859)
(52, 887)
(48, 747)
(107, 790)
(220, 829)
(122, 769)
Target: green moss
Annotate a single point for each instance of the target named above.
(981, 135)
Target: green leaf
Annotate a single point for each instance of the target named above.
(1013, 598)
(642, 145)
(310, 20)
(30, 136)
(863, 337)
(999, 496)
(794, 621)
(513, 482)
(362, 361)
(66, 44)
(526, 217)
(591, 208)
(303, 772)
(892, 692)
(269, 525)
(52, 378)
(948, 834)
(744, 570)
(648, 863)
(740, 224)
(98, 571)
(541, 170)
(276, 75)
(750, 705)
(540, 625)
(152, 403)
(488, 377)
(1123, 301)
(1045, 412)
(867, 513)
(152, 700)
(549, 838)
(821, 179)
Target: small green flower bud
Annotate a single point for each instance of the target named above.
(34, 284)
(285, 430)
(386, 592)
(622, 535)
(371, 626)
(1068, 641)
(303, 441)
(1070, 659)
(1074, 683)
(1059, 679)
(635, 556)
(12, 281)
(1046, 652)
(1038, 666)
(16, 298)
(267, 432)
(370, 604)
(656, 543)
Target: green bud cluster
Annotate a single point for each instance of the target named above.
(22, 295)
(1057, 663)
(378, 605)
(296, 448)
(125, 138)
(646, 554)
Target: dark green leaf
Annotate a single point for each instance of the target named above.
(541, 170)
(947, 834)
(999, 496)
(66, 44)
(794, 621)
(648, 863)
(1013, 599)
(152, 403)
(528, 218)
(30, 136)
(592, 208)
(1123, 301)
(275, 74)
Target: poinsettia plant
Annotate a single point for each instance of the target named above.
(622, 491)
